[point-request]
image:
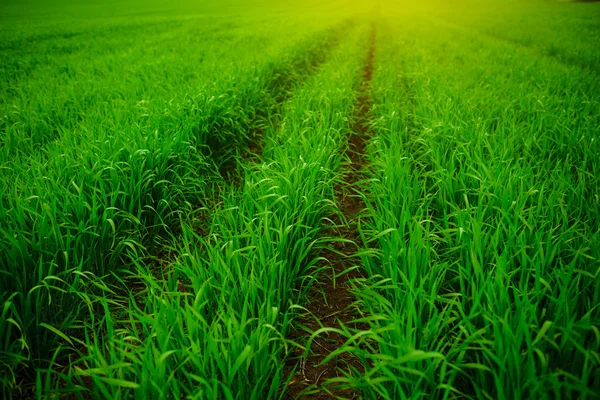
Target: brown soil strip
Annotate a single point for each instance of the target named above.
(330, 301)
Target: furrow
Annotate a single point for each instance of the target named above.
(329, 310)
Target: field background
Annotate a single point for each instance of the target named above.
(312, 199)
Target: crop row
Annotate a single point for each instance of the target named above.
(111, 187)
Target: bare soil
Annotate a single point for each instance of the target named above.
(330, 300)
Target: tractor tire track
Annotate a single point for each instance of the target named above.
(330, 302)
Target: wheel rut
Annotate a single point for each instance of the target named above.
(330, 300)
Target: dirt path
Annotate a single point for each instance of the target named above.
(330, 301)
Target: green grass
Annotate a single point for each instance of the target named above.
(130, 267)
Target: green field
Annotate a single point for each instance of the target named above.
(307, 199)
